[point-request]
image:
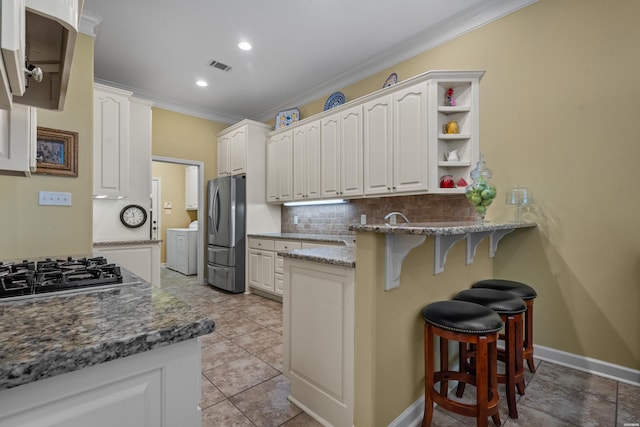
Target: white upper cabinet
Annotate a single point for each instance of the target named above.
(111, 134)
(12, 41)
(280, 167)
(391, 141)
(224, 167)
(18, 136)
(341, 153)
(410, 139)
(378, 146)
(306, 162)
(121, 145)
(232, 151)
(191, 188)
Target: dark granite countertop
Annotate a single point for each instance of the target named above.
(344, 256)
(440, 228)
(47, 336)
(347, 239)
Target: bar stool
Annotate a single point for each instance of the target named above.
(528, 294)
(466, 323)
(511, 309)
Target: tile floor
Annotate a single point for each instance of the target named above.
(243, 384)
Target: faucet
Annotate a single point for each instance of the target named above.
(392, 217)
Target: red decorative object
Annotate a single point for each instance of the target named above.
(447, 182)
(462, 183)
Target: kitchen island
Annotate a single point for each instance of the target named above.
(353, 345)
(126, 355)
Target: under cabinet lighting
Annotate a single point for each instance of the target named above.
(316, 202)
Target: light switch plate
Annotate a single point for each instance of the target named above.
(363, 219)
(168, 205)
(54, 198)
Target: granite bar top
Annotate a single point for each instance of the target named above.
(344, 256)
(348, 239)
(47, 336)
(440, 228)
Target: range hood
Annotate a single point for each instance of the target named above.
(51, 30)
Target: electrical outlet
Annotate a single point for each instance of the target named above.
(363, 219)
(54, 198)
(295, 219)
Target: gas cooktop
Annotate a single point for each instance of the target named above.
(28, 279)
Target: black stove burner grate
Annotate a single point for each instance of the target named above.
(29, 277)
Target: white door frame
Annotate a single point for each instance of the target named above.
(201, 206)
(156, 200)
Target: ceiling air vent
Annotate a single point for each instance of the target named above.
(219, 65)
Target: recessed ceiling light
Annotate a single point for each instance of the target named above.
(202, 83)
(244, 46)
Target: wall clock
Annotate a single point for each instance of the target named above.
(133, 216)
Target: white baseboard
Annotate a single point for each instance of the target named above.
(589, 365)
(412, 416)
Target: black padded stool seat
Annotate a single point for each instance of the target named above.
(471, 324)
(528, 294)
(511, 309)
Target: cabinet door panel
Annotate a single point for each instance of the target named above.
(268, 270)
(378, 146)
(238, 151)
(111, 127)
(299, 163)
(312, 161)
(273, 192)
(330, 155)
(255, 271)
(223, 155)
(351, 152)
(410, 138)
(285, 176)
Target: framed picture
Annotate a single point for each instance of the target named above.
(287, 117)
(57, 152)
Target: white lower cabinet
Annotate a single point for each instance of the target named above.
(318, 354)
(141, 259)
(160, 387)
(182, 250)
(266, 267)
(262, 264)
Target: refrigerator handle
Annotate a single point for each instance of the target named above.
(210, 211)
(216, 210)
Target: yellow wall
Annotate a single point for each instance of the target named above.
(28, 230)
(558, 107)
(186, 137)
(389, 355)
(558, 114)
(172, 188)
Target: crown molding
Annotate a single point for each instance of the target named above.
(90, 23)
(454, 27)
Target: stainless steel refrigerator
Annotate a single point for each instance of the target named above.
(226, 239)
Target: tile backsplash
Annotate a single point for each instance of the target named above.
(335, 219)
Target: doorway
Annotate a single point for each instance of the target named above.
(201, 212)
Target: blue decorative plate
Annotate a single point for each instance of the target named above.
(391, 80)
(334, 100)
